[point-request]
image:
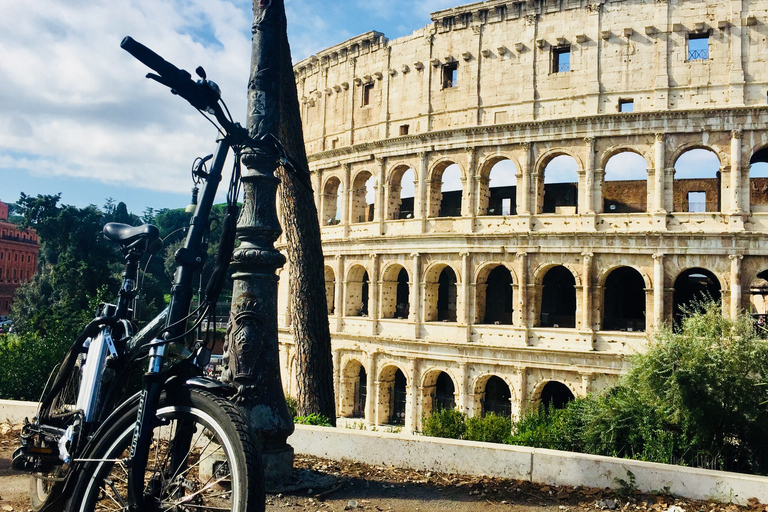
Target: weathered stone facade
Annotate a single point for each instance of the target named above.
(535, 290)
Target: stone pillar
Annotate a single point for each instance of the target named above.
(736, 206)
(658, 290)
(346, 195)
(524, 194)
(373, 294)
(412, 414)
(522, 291)
(735, 284)
(520, 391)
(337, 382)
(466, 269)
(372, 396)
(469, 204)
(589, 177)
(414, 313)
(380, 205)
(421, 206)
(586, 292)
(339, 298)
(464, 392)
(659, 181)
(586, 383)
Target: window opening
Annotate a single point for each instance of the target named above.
(624, 301)
(446, 296)
(498, 297)
(450, 75)
(697, 202)
(555, 395)
(397, 417)
(361, 393)
(698, 46)
(626, 105)
(403, 293)
(561, 59)
(692, 286)
(367, 88)
(444, 393)
(558, 298)
(403, 129)
(497, 397)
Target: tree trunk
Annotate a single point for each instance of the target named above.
(306, 271)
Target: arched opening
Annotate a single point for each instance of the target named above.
(697, 182)
(558, 298)
(497, 396)
(331, 209)
(498, 297)
(363, 197)
(392, 396)
(395, 293)
(561, 186)
(554, 395)
(758, 181)
(445, 393)
(691, 287)
(403, 190)
(625, 184)
(502, 189)
(451, 192)
(447, 294)
(758, 302)
(624, 301)
(330, 288)
(354, 390)
(357, 291)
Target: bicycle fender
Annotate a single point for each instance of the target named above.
(214, 386)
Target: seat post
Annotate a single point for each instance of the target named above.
(129, 285)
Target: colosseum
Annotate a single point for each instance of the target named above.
(515, 196)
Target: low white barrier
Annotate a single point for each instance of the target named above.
(14, 411)
(549, 467)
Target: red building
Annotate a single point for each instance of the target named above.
(18, 258)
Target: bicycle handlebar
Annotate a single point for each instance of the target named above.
(178, 80)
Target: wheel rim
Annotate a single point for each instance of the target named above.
(207, 480)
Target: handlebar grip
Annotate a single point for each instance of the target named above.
(152, 60)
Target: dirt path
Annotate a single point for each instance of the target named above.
(324, 485)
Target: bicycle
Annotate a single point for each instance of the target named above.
(179, 443)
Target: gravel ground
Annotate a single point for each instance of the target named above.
(321, 485)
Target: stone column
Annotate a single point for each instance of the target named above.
(525, 181)
(469, 205)
(522, 291)
(736, 199)
(380, 206)
(346, 194)
(586, 292)
(414, 313)
(373, 294)
(586, 383)
(466, 307)
(659, 181)
(589, 177)
(372, 397)
(464, 392)
(735, 284)
(658, 290)
(421, 206)
(412, 414)
(338, 300)
(520, 391)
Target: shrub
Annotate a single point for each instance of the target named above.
(490, 428)
(448, 423)
(313, 419)
(26, 361)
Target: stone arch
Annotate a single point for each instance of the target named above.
(758, 302)
(625, 182)
(438, 391)
(558, 297)
(497, 194)
(445, 198)
(558, 182)
(697, 181)
(363, 197)
(357, 291)
(393, 392)
(353, 389)
(692, 285)
(758, 180)
(402, 192)
(441, 293)
(624, 300)
(494, 294)
(494, 394)
(330, 288)
(395, 292)
(552, 394)
(331, 213)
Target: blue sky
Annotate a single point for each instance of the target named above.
(77, 116)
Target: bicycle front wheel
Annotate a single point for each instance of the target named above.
(202, 458)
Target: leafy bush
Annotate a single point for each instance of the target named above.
(293, 406)
(448, 423)
(313, 419)
(489, 428)
(26, 361)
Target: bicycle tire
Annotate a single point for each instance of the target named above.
(233, 482)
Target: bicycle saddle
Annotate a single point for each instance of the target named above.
(130, 237)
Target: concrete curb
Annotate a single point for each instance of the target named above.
(14, 411)
(549, 467)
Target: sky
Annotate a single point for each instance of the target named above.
(77, 116)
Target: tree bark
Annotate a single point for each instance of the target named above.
(306, 270)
